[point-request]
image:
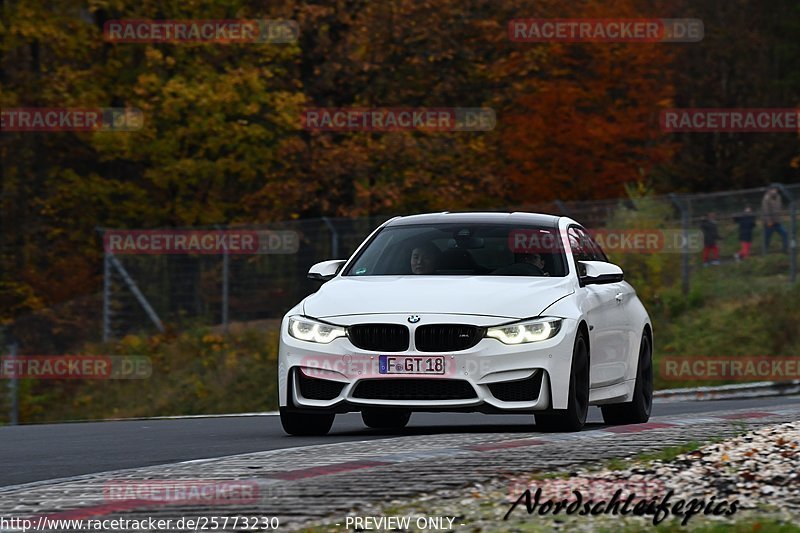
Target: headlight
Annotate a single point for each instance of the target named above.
(530, 331)
(312, 331)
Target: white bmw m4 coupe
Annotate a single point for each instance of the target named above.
(476, 312)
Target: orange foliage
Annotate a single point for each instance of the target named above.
(585, 117)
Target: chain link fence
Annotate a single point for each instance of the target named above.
(224, 287)
(144, 293)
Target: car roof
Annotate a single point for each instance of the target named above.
(533, 219)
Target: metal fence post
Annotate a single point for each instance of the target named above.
(565, 211)
(685, 244)
(763, 238)
(148, 309)
(225, 287)
(106, 297)
(334, 238)
(226, 266)
(793, 243)
(13, 388)
(792, 251)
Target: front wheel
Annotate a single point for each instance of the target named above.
(573, 418)
(638, 410)
(306, 424)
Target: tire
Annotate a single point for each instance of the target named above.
(385, 418)
(573, 418)
(306, 424)
(637, 411)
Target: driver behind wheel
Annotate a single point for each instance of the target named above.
(425, 258)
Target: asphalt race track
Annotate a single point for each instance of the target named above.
(49, 451)
(145, 470)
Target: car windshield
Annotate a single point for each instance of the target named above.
(462, 249)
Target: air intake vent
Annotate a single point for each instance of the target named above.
(447, 337)
(379, 337)
(319, 389)
(524, 390)
(414, 389)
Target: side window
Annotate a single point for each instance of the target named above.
(578, 245)
(595, 251)
(581, 250)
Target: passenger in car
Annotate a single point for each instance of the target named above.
(534, 259)
(525, 264)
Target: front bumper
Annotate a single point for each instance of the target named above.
(489, 377)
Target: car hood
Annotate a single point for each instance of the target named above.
(506, 296)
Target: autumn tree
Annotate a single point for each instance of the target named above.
(583, 118)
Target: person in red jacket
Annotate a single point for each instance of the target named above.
(710, 237)
(747, 223)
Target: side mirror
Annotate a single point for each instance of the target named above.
(326, 270)
(599, 272)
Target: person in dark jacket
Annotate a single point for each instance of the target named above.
(747, 223)
(710, 237)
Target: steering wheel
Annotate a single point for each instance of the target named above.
(533, 269)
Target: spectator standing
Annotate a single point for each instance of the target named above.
(771, 207)
(747, 223)
(710, 237)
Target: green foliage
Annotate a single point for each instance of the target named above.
(741, 316)
(730, 309)
(673, 303)
(652, 273)
(747, 324)
(194, 372)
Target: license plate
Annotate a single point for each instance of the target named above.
(391, 364)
